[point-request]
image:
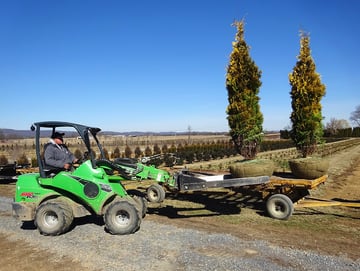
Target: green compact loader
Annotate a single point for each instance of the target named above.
(52, 198)
(134, 170)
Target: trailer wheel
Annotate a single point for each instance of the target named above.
(279, 206)
(122, 217)
(53, 218)
(155, 193)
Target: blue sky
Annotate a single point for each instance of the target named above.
(160, 65)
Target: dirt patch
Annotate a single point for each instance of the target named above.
(17, 255)
(328, 230)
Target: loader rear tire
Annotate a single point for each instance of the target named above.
(53, 217)
(279, 206)
(122, 217)
(155, 193)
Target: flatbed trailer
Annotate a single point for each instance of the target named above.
(12, 171)
(281, 193)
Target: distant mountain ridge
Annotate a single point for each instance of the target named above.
(12, 133)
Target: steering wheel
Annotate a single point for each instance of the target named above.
(83, 158)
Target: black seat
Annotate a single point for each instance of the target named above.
(50, 171)
(127, 162)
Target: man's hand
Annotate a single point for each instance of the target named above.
(76, 161)
(67, 166)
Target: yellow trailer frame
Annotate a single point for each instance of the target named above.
(298, 183)
(284, 193)
(309, 202)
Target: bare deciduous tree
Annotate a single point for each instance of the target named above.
(355, 116)
(336, 124)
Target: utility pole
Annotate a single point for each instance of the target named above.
(189, 134)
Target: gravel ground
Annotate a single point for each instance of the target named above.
(163, 247)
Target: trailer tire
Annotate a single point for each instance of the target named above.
(122, 217)
(279, 206)
(155, 193)
(53, 218)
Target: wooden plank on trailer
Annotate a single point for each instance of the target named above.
(303, 183)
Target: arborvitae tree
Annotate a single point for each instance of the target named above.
(172, 148)
(243, 85)
(116, 153)
(22, 160)
(148, 151)
(164, 149)
(34, 162)
(138, 152)
(3, 160)
(128, 152)
(106, 153)
(169, 160)
(306, 93)
(78, 154)
(157, 149)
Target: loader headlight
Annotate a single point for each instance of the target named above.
(105, 187)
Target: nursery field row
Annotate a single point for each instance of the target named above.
(280, 157)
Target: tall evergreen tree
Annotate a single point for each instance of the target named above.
(306, 93)
(116, 153)
(243, 85)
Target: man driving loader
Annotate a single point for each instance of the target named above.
(57, 154)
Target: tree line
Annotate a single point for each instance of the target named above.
(170, 155)
(339, 133)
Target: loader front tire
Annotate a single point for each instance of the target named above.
(53, 218)
(122, 217)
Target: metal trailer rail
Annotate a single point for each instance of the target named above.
(186, 180)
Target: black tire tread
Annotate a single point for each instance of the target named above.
(130, 206)
(64, 212)
(159, 190)
(285, 201)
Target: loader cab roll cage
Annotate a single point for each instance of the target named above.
(83, 131)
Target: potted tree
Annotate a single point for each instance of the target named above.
(306, 117)
(244, 116)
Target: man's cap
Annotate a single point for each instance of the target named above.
(58, 135)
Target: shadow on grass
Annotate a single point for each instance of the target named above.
(307, 211)
(211, 204)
